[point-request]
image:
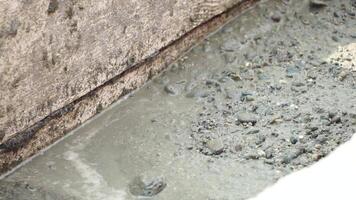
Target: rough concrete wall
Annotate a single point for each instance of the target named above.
(63, 61)
(55, 51)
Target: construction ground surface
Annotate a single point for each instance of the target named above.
(272, 92)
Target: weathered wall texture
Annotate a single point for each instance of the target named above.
(63, 61)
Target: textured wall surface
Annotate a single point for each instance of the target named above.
(63, 61)
(54, 51)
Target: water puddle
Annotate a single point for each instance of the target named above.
(272, 92)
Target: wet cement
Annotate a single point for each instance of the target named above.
(272, 92)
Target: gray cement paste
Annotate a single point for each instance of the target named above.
(272, 92)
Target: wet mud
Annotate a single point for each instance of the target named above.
(272, 92)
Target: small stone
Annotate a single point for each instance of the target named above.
(353, 122)
(147, 186)
(171, 89)
(316, 157)
(276, 119)
(229, 57)
(312, 75)
(335, 38)
(238, 147)
(352, 115)
(293, 154)
(311, 129)
(293, 140)
(352, 14)
(250, 98)
(212, 82)
(317, 4)
(298, 84)
(274, 134)
(321, 139)
(260, 140)
(335, 120)
(336, 14)
(261, 153)
(343, 75)
(332, 114)
(276, 17)
(252, 156)
(244, 117)
(291, 71)
(52, 6)
(215, 146)
(253, 131)
(246, 95)
(283, 82)
(287, 159)
(269, 155)
(235, 77)
(262, 77)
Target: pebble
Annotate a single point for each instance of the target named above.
(316, 157)
(247, 96)
(235, 77)
(250, 98)
(262, 77)
(253, 131)
(336, 14)
(343, 75)
(291, 71)
(147, 186)
(261, 153)
(171, 89)
(52, 6)
(216, 146)
(321, 139)
(317, 4)
(244, 117)
(335, 38)
(293, 154)
(332, 114)
(238, 147)
(252, 156)
(261, 139)
(352, 115)
(352, 14)
(276, 119)
(276, 17)
(274, 134)
(298, 84)
(269, 155)
(310, 129)
(293, 140)
(335, 120)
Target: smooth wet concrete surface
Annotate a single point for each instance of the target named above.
(274, 91)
